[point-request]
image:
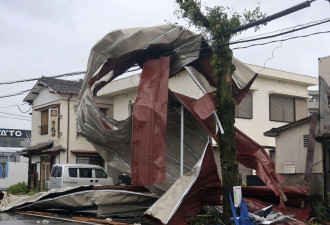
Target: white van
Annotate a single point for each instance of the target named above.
(65, 175)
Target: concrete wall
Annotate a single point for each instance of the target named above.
(17, 172)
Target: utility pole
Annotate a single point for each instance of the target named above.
(216, 23)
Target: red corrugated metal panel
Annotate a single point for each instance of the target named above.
(149, 123)
(252, 155)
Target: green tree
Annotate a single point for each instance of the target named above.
(217, 25)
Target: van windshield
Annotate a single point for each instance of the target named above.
(56, 171)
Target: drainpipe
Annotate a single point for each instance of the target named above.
(68, 131)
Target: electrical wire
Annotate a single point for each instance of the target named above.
(2, 107)
(13, 118)
(191, 48)
(24, 111)
(283, 29)
(287, 39)
(15, 94)
(33, 79)
(14, 114)
(282, 33)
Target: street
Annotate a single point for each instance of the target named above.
(20, 219)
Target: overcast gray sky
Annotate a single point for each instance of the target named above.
(40, 37)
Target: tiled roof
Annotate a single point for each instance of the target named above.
(55, 85)
(39, 146)
(60, 86)
(44, 147)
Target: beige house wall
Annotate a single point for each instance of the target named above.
(76, 142)
(261, 89)
(290, 149)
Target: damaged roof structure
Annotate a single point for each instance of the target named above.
(147, 144)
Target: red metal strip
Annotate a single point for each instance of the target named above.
(149, 124)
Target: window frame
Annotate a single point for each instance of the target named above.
(270, 108)
(44, 119)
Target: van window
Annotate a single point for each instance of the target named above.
(85, 172)
(73, 172)
(99, 173)
(56, 172)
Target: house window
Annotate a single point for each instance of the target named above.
(287, 108)
(244, 109)
(93, 159)
(104, 111)
(44, 122)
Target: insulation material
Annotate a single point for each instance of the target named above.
(149, 124)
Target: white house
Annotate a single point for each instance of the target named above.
(54, 135)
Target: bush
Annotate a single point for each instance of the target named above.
(320, 208)
(32, 191)
(18, 189)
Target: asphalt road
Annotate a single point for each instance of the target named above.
(22, 219)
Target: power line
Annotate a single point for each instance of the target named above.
(287, 39)
(191, 48)
(2, 107)
(14, 114)
(33, 79)
(22, 110)
(283, 29)
(55, 76)
(13, 118)
(15, 94)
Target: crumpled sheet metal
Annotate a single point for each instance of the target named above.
(149, 124)
(300, 214)
(121, 49)
(9, 202)
(115, 54)
(297, 195)
(188, 194)
(115, 145)
(109, 201)
(252, 155)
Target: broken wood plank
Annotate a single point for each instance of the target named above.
(37, 213)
